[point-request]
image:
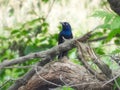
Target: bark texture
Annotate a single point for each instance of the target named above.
(64, 72)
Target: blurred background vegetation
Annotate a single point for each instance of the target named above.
(28, 26)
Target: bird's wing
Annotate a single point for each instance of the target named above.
(71, 35)
(60, 39)
(63, 36)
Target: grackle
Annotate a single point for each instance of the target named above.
(66, 33)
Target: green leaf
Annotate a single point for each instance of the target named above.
(45, 24)
(99, 50)
(45, 1)
(115, 24)
(66, 88)
(97, 34)
(15, 31)
(117, 41)
(103, 14)
(24, 32)
(3, 38)
(112, 34)
(34, 21)
(103, 26)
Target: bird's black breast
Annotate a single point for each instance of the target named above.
(64, 35)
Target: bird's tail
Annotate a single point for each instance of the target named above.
(62, 54)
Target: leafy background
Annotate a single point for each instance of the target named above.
(33, 25)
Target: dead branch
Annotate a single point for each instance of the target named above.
(57, 74)
(103, 67)
(98, 39)
(116, 59)
(85, 52)
(24, 79)
(82, 56)
(50, 53)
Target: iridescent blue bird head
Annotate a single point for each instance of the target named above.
(66, 26)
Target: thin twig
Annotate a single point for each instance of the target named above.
(98, 39)
(45, 79)
(63, 81)
(21, 67)
(50, 9)
(84, 84)
(1, 86)
(81, 56)
(111, 80)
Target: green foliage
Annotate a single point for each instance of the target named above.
(113, 33)
(116, 51)
(45, 1)
(66, 88)
(99, 50)
(111, 24)
(117, 83)
(32, 36)
(111, 29)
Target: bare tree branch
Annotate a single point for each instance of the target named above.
(98, 39)
(50, 53)
(24, 79)
(82, 51)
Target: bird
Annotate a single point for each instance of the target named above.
(115, 5)
(66, 33)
